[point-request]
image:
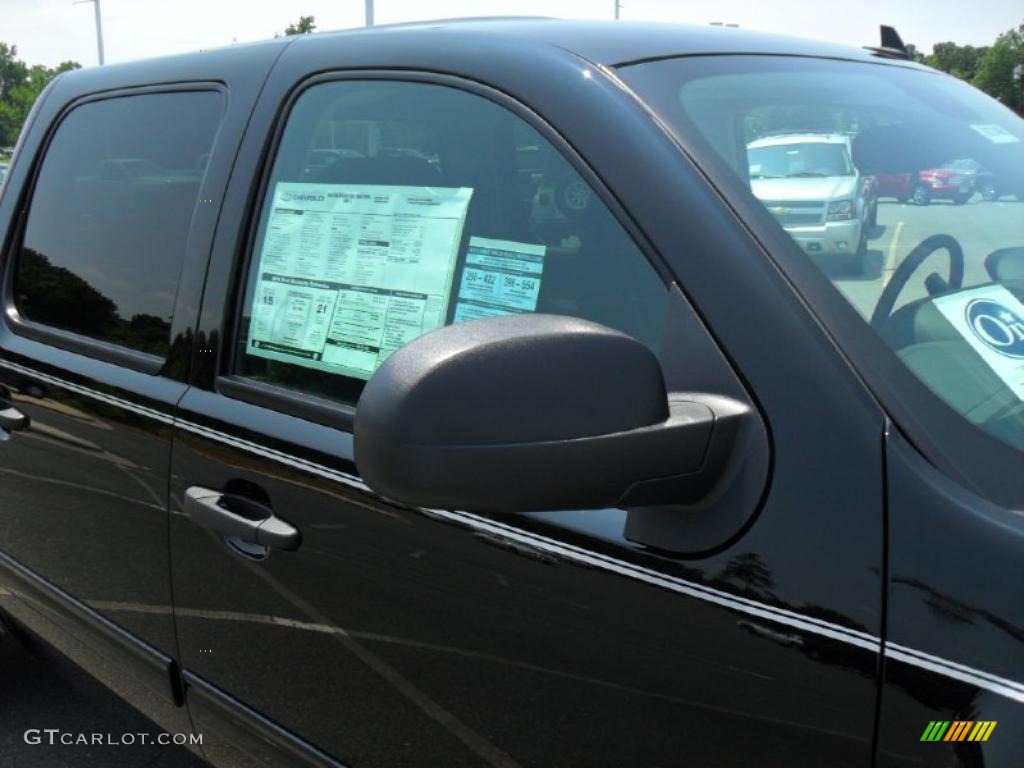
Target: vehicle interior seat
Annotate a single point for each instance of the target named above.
(1006, 265)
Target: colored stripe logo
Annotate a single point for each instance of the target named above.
(958, 730)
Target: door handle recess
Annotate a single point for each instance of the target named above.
(12, 420)
(235, 515)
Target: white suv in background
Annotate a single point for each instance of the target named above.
(809, 183)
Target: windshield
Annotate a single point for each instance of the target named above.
(923, 235)
(789, 160)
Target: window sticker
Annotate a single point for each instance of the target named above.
(995, 133)
(991, 320)
(348, 273)
(500, 277)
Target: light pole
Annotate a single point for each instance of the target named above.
(618, 8)
(99, 25)
(369, 13)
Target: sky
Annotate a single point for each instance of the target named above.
(50, 31)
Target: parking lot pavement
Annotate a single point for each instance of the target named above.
(979, 226)
(41, 690)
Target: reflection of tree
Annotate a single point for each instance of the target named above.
(179, 357)
(942, 605)
(207, 347)
(145, 332)
(831, 616)
(803, 119)
(948, 607)
(56, 296)
(749, 570)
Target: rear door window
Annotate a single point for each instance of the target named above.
(110, 217)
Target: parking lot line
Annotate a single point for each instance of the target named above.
(890, 261)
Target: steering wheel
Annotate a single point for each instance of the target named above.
(914, 259)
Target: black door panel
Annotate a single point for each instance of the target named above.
(395, 636)
(955, 646)
(476, 641)
(84, 510)
(84, 486)
(107, 237)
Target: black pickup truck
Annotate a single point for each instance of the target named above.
(442, 395)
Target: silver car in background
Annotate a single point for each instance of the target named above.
(810, 184)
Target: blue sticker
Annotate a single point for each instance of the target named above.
(996, 326)
(500, 277)
(991, 320)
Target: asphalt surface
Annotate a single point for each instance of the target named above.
(40, 690)
(980, 227)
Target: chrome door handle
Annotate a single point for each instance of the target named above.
(235, 515)
(12, 420)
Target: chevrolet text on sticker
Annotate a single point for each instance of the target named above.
(341, 302)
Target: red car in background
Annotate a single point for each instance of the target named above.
(956, 180)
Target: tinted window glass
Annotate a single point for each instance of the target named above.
(110, 217)
(905, 188)
(396, 208)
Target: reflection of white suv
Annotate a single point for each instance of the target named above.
(809, 183)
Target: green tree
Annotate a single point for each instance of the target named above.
(995, 71)
(916, 55)
(20, 86)
(305, 25)
(958, 60)
(12, 71)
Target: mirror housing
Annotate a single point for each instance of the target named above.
(533, 412)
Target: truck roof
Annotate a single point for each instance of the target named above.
(608, 43)
(619, 42)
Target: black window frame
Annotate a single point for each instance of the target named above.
(143, 362)
(310, 407)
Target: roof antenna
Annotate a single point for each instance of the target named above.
(892, 44)
(891, 39)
